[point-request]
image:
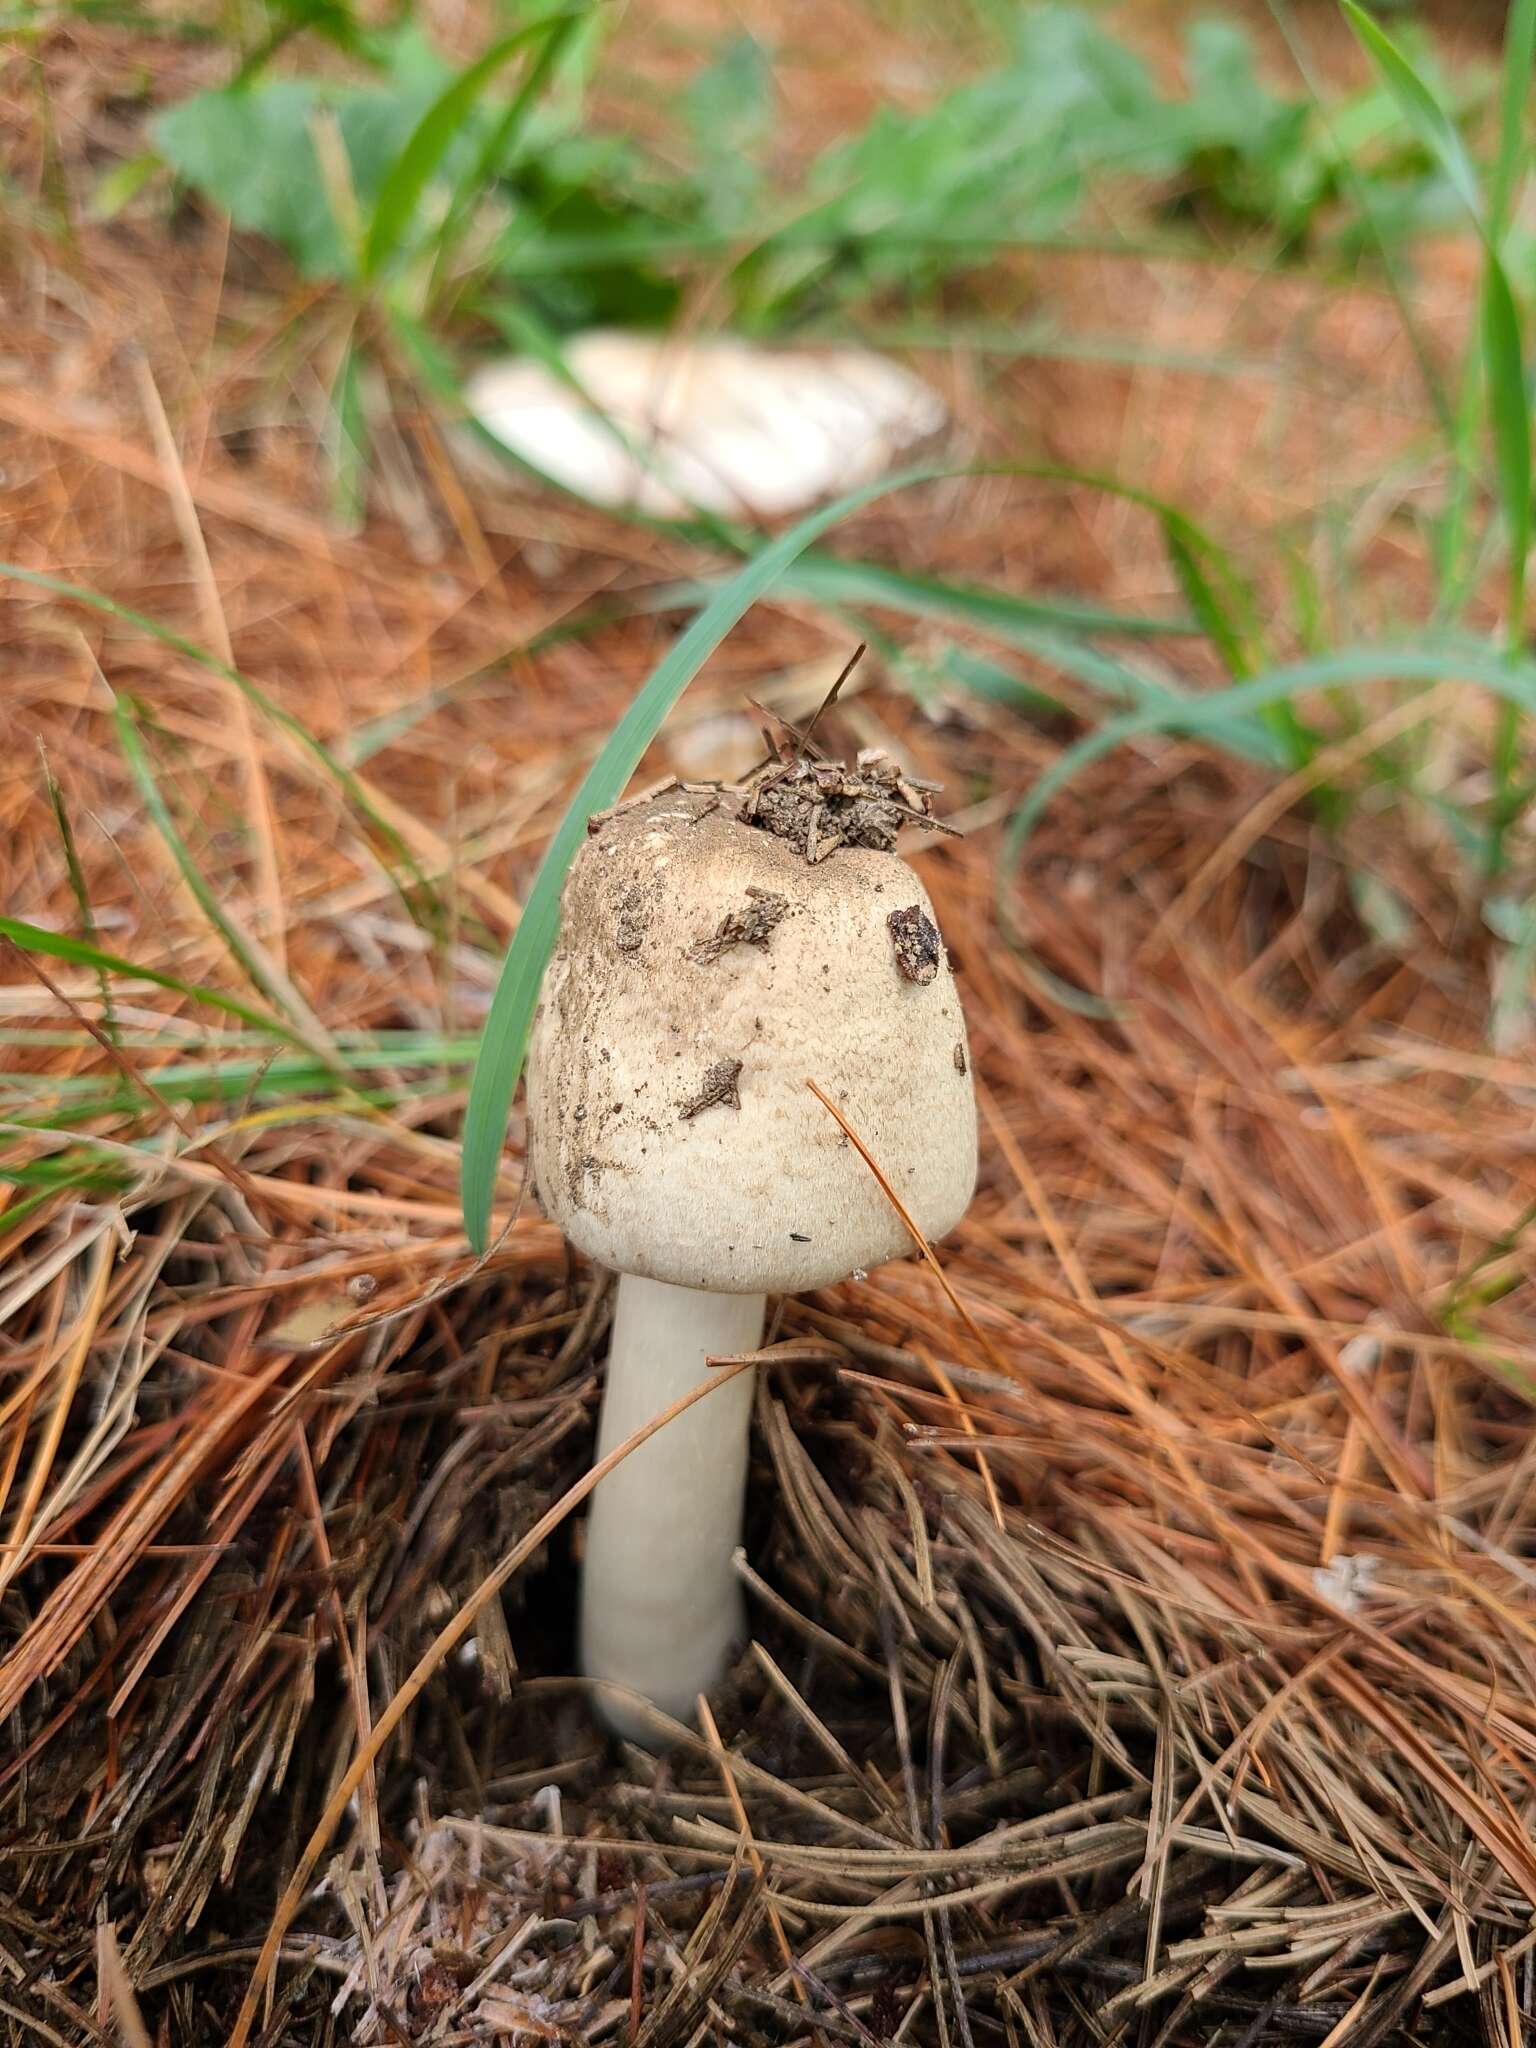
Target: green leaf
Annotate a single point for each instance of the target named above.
(728, 104)
(728, 107)
(517, 992)
(252, 151)
(1420, 108)
(32, 938)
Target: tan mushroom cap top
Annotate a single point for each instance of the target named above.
(705, 969)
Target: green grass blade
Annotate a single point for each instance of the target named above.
(1214, 587)
(348, 425)
(1438, 133)
(1224, 605)
(830, 580)
(159, 810)
(16, 1213)
(33, 938)
(1453, 571)
(497, 148)
(511, 1015)
(78, 890)
(1471, 661)
(336, 770)
(1514, 105)
(272, 1074)
(1422, 111)
(1209, 605)
(395, 208)
(78, 1167)
(1510, 420)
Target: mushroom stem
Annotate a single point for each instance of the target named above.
(660, 1603)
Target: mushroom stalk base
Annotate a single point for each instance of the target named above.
(660, 1601)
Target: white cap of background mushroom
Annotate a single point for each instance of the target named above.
(711, 424)
(706, 968)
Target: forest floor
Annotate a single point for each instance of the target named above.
(1143, 1643)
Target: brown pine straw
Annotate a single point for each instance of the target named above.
(452, 1633)
(1143, 1620)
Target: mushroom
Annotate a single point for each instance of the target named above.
(713, 424)
(706, 969)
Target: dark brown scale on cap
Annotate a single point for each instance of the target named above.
(916, 939)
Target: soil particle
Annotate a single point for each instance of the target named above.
(433, 1990)
(753, 925)
(719, 1087)
(633, 920)
(916, 939)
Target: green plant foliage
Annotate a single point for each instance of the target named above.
(583, 227)
(453, 207)
(252, 149)
(729, 109)
(1292, 170)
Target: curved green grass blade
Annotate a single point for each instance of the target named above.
(828, 579)
(1422, 111)
(412, 170)
(1214, 588)
(34, 938)
(1471, 662)
(517, 991)
(496, 150)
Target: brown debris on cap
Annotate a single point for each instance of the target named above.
(820, 805)
(719, 1087)
(753, 925)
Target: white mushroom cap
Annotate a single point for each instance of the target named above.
(705, 970)
(713, 424)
